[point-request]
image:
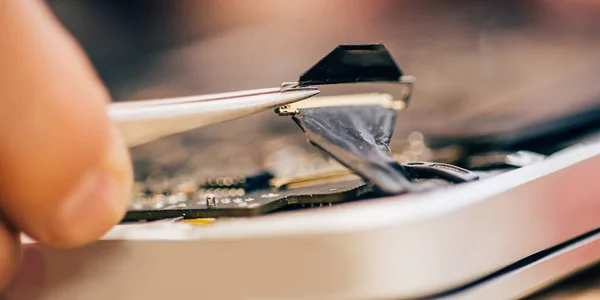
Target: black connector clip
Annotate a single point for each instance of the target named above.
(353, 63)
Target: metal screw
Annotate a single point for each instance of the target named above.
(211, 200)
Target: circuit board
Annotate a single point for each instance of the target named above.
(237, 203)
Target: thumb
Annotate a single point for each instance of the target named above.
(65, 173)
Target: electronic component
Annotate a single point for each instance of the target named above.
(356, 130)
(319, 188)
(429, 170)
(419, 171)
(198, 205)
(354, 63)
(248, 183)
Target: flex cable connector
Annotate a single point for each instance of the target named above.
(356, 129)
(371, 99)
(348, 64)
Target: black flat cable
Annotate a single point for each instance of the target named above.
(358, 137)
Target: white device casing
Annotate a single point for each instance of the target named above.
(393, 248)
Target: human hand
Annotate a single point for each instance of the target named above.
(65, 173)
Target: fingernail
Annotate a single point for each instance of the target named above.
(99, 200)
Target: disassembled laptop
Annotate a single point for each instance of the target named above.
(478, 223)
(355, 130)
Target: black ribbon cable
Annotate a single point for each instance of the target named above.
(358, 137)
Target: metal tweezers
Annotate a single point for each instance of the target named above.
(145, 121)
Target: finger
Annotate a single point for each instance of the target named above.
(65, 172)
(9, 255)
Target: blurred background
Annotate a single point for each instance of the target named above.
(484, 68)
